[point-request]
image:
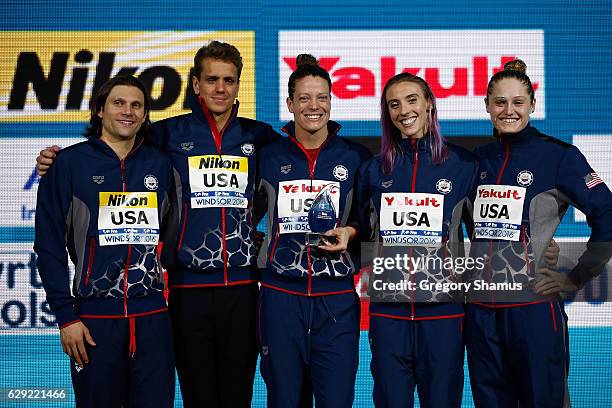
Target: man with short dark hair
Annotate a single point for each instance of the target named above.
(211, 256)
(212, 276)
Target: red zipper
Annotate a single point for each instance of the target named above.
(415, 156)
(129, 248)
(499, 176)
(218, 135)
(92, 246)
(311, 168)
(274, 245)
(125, 280)
(501, 172)
(224, 245)
(218, 139)
(185, 211)
(309, 270)
(123, 182)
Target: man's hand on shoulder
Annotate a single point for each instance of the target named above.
(45, 159)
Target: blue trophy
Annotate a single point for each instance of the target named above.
(322, 218)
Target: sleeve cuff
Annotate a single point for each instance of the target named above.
(69, 323)
(66, 316)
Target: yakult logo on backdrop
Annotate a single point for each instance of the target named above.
(457, 64)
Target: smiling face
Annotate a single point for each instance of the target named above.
(408, 108)
(123, 113)
(509, 106)
(311, 106)
(218, 84)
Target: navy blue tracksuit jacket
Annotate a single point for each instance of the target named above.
(114, 276)
(414, 172)
(213, 243)
(289, 182)
(516, 340)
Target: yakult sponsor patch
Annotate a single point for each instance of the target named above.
(128, 218)
(218, 181)
(457, 65)
(411, 218)
(498, 212)
(295, 199)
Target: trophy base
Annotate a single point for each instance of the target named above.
(314, 239)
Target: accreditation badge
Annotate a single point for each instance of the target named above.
(411, 218)
(128, 218)
(498, 212)
(218, 181)
(295, 199)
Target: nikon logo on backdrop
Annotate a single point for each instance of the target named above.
(50, 76)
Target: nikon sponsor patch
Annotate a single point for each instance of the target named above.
(128, 218)
(218, 181)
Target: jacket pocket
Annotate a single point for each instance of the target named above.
(183, 224)
(92, 252)
(200, 239)
(102, 268)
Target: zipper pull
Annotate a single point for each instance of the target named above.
(123, 182)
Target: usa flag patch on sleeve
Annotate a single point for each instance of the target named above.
(592, 179)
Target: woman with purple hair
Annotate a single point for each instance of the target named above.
(411, 200)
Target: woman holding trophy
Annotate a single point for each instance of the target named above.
(308, 315)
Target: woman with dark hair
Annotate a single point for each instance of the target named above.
(411, 198)
(516, 341)
(308, 316)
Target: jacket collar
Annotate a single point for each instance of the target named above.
(332, 131)
(519, 137)
(193, 101)
(422, 145)
(106, 149)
